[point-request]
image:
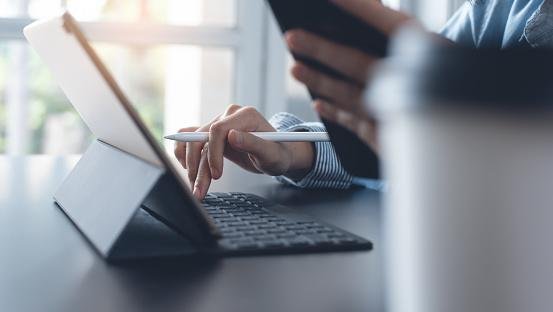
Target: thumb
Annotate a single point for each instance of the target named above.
(268, 155)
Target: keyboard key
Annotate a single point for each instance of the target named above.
(286, 223)
(227, 230)
(275, 220)
(226, 219)
(305, 232)
(295, 228)
(234, 235)
(247, 246)
(241, 214)
(273, 244)
(254, 233)
(234, 200)
(246, 228)
(258, 222)
(276, 231)
(298, 241)
(267, 226)
(347, 240)
(287, 236)
(315, 226)
(267, 238)
(236, 224)
(319, 240)
(243, 240)
(249, 218)
(326, 230)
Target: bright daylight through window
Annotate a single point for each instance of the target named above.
(168, 80)
(181, 62)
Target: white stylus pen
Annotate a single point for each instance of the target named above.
(269, 136)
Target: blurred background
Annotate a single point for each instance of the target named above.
(180, 62)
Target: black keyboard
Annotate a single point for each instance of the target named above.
(247, 224)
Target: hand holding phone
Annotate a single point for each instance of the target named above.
(335, 43)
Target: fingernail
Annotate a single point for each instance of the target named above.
(288, 36)
(298, 71)
(319, 105)
(291, 38)
(214, 172)
(197, 192)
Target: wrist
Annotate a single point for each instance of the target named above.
(302, 159)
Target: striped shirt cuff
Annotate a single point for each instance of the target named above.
(327, 171)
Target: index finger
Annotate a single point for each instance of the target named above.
(180, 147)
(374, 13)
(246, 119)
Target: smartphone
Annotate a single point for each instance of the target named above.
(329, 21)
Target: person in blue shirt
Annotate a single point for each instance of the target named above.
(498, 24)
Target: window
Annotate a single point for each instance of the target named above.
(180, 63)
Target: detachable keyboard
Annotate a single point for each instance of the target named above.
(250, 224)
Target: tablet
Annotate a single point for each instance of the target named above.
(108, 113)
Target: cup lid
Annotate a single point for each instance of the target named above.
(423, 71)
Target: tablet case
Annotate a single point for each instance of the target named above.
(128, 208)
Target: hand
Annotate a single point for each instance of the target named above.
(343, 99)
(229, 137)
(363, 126)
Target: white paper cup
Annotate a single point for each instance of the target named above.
(467, 152)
